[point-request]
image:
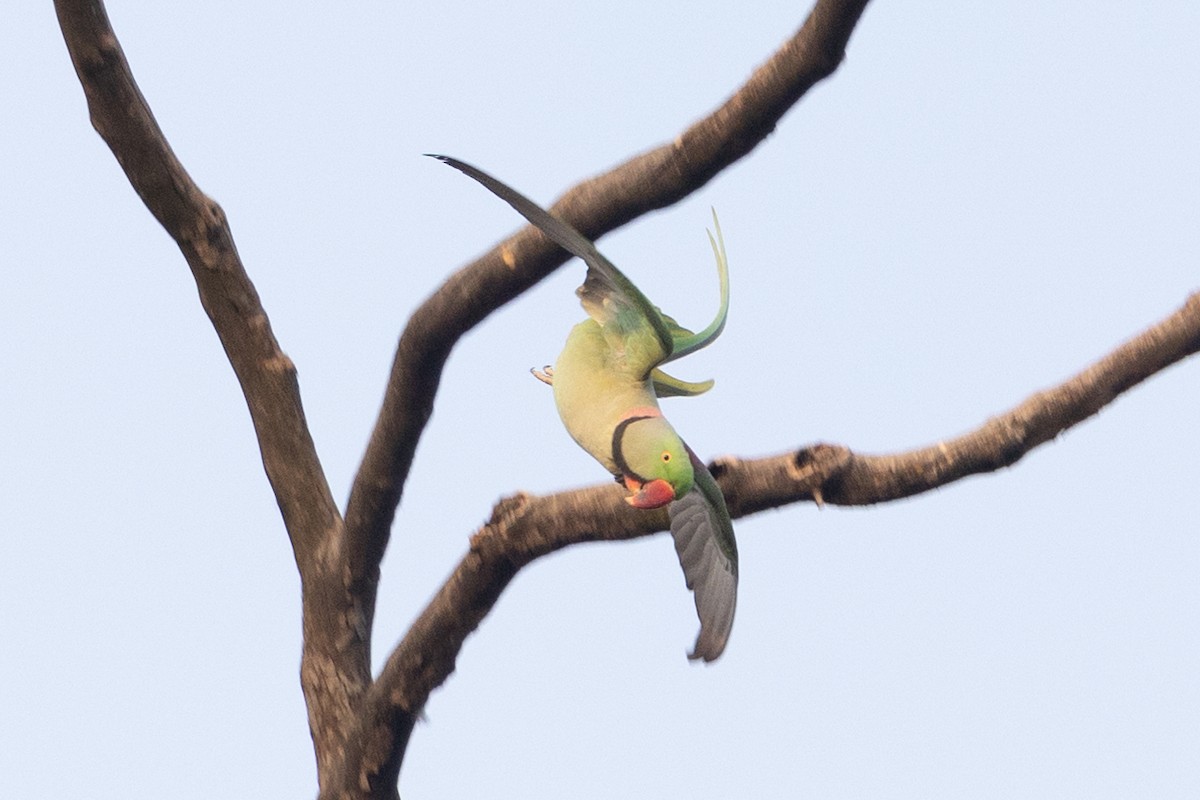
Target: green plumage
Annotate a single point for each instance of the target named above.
(607, 383)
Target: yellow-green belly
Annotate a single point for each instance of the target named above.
(593, 391)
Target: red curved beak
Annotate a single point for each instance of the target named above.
(652, 494)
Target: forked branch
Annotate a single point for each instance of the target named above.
(361, 728)
(339, 563)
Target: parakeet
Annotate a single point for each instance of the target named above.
(607, 383)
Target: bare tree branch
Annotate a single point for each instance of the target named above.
(652, 180)
(121, 116)
(834, 474)
(523, 528)
(336, 662)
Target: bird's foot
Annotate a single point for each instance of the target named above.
(545, 374)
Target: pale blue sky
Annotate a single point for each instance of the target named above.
(983, 200)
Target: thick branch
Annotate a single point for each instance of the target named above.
(652, 180)
(523, 528)
(336, 668)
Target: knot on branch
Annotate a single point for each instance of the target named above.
(818, 468)
(725, 470)
(816, 462)
(507, 509)
(496, 533)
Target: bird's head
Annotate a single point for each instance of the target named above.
(653, 460)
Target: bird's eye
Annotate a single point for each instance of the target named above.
(666, 456)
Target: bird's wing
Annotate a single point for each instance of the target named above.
(630, 322)
(707, 552)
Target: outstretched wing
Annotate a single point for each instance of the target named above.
(707, 552)
(610, 298)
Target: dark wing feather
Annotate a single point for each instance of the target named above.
(703, 534)
(607, 295)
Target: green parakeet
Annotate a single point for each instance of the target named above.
(607, 383)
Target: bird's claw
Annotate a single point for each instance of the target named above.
(545, 374)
